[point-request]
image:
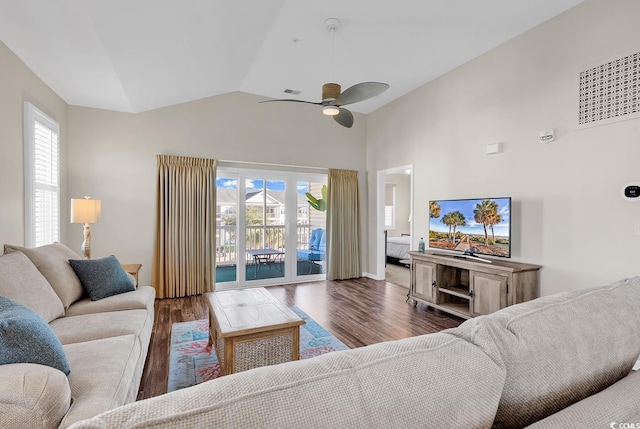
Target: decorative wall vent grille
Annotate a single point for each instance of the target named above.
(611, 90)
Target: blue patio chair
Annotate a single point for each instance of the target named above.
(317, 248)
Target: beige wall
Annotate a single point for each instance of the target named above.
(567, 211)
(114, 157)
(403, 203)
(17, 85)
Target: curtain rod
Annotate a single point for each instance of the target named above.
(264, 164)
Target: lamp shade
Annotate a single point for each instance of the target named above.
(85, 210)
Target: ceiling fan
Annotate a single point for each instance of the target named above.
(332, 97)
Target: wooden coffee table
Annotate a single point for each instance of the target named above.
(251, 328)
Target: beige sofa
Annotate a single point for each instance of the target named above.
(105, 342)
(561, 361)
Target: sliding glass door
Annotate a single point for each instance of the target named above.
(311, 228)
(265, 235)
(270, 227)
(226, 228)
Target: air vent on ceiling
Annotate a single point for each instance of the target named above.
(292, 91)
(610, 92)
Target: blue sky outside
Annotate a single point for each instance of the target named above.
(251, 184)
(466, 207)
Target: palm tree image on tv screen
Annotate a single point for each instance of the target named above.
(474, 226)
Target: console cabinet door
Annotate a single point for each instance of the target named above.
(488, 292)
(424, 281)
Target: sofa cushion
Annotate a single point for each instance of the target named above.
(32, 396)
(21, 281)
(99, 385)
(617, 403)
(52, 261)
(316, 236)
(141, 298)
(87, 327)
(26, 338)
(102, 277)
(432, 381)
(559, 349)
(310, 255)
(323, 242)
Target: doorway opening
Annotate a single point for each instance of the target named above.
(395, 224)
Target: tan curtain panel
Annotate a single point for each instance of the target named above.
(343, 225)
(185, 244)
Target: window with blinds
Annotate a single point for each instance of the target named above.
(42, 177)
(390, 206)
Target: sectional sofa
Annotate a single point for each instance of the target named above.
(560, 361)
(49, 325)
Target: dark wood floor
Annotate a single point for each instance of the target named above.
(359, 312)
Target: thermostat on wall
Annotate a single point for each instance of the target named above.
(631, 191)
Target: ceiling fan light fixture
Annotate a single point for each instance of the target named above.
(333, 99)
(331, 110)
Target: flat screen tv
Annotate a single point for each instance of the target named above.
(479, 226)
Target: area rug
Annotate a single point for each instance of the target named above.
(191, 362)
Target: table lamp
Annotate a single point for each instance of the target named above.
(85, 211)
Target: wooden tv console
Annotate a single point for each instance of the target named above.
(468, 287)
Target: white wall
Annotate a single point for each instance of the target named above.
(113, 157)
(18, 84)
(567, 211)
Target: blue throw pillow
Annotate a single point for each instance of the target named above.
(102, 277)
(26, 338)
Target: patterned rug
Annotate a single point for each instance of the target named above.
(191, 362)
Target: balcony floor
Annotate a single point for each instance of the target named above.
(228, 273)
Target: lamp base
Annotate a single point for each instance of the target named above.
(86, 244)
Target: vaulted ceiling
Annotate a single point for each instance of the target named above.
(137, 55)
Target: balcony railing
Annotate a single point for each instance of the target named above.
(256, 237)
(226, 245)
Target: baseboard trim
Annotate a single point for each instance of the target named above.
(372, 276)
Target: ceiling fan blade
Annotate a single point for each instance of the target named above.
(291, 100)
(344, 118)
(360, 92)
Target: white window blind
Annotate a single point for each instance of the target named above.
(389, 217)
(42, 177)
